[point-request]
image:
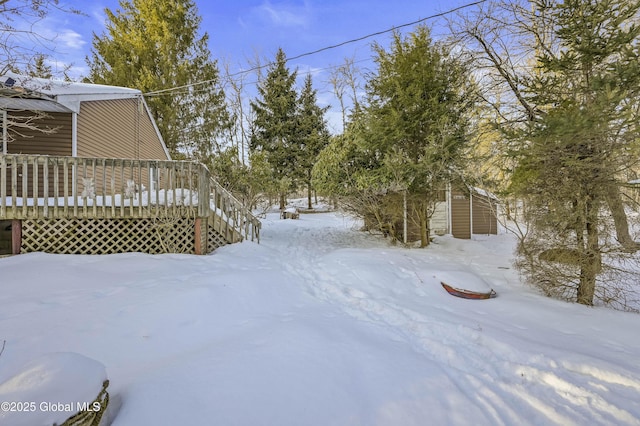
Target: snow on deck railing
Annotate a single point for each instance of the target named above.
(40, 186)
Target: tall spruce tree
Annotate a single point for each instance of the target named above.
(155, 46)
(275, 129)
(584, 138)
(417, 119)
(314, 135)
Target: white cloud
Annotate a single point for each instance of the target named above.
(283, 15)
(71, 39)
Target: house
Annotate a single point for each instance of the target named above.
(87, 120)
(84, 169)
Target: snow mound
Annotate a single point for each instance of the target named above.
(50, 389)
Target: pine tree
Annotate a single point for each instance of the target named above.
(154, 46)
(275, 127)
(39, 68)
(314, 135)
(417, 119)
(584, 135)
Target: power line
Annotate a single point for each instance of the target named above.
(355, 40)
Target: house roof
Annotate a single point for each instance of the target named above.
(32, 105)
(67, 94)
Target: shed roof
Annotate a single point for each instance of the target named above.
(485, 193)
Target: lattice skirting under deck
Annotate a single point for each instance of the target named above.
(215, 239)
(107, 236)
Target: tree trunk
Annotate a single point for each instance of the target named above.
(405, 237)
(507, 209)
(309, 193)
(620, 219)
(591, 259)
(283, 202)
(424, 226)
(424, 233)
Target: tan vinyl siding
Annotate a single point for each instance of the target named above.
(484, 216)
(151, 147)
(32, 142)
(36, 142)
(118, 128)
(460, 215)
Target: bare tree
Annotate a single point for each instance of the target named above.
(337, 81)
(345, 80)
(236, 103)
(24, 49)
(20, 41)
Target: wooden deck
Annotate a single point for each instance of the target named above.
(159, 197)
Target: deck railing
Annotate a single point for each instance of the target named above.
(39, 186)
(234, 213)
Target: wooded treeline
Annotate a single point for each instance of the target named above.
(534, 100)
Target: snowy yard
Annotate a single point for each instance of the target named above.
(322, 325)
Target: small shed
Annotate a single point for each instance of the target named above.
(459, 210)
(472, 211)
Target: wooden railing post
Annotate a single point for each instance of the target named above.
(14, 187)
(198, 236)
(56, 186)
(16, 236)
(25, 186)
(3, 186)
(34, 179)
(45, 184)
(204, 192)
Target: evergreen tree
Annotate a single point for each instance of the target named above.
(275, 126)
(583, 137)
(411, 135)
(569, 122)
(38, 68)
(154, 46)
(314, 135)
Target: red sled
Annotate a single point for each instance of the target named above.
(468, 294)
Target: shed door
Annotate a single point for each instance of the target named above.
(460, 215)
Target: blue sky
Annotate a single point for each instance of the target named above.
(243, 29)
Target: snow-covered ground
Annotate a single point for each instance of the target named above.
(320, 324)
